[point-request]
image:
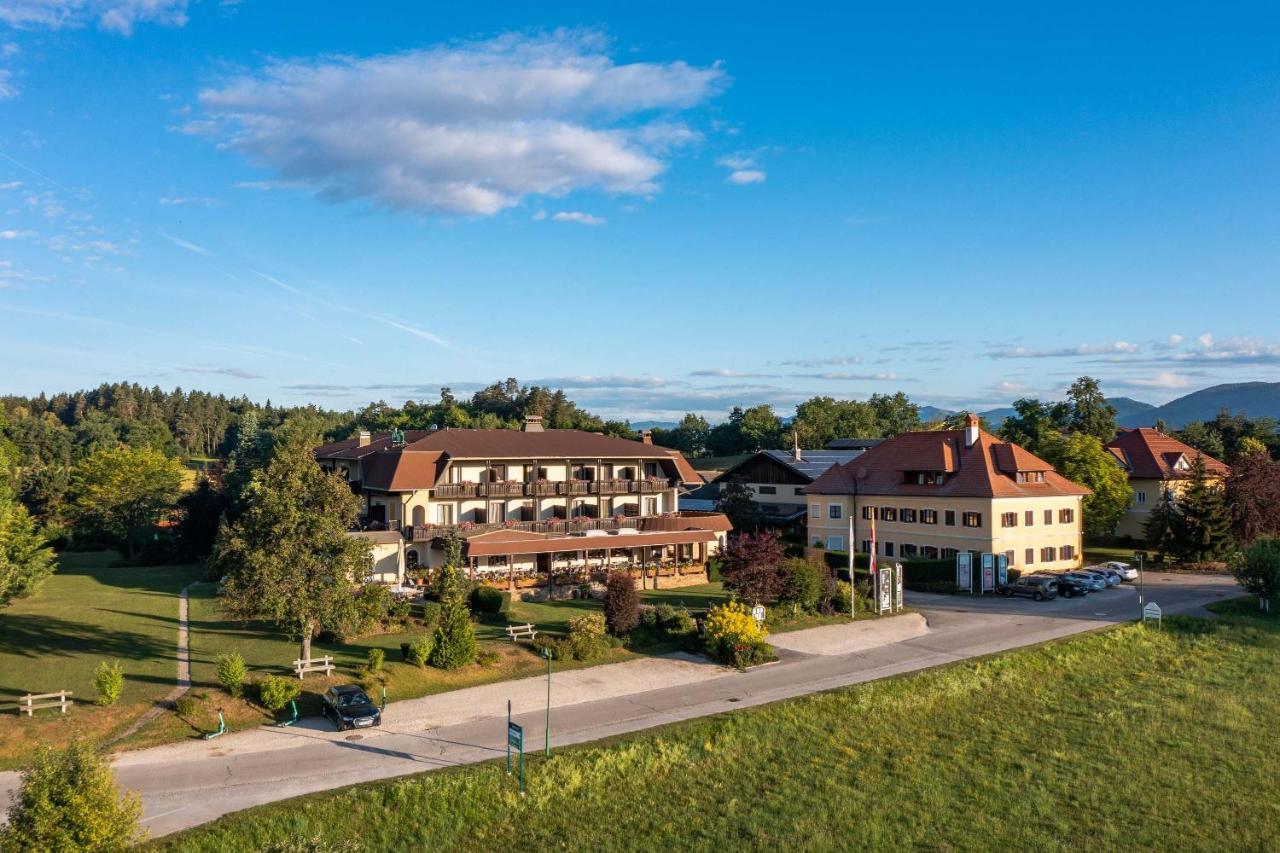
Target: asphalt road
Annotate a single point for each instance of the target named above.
(189, 784)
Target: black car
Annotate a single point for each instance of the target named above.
(1071, 587)
(351, 708)
(1038, 587)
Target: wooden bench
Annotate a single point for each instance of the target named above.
(521, 632)
(33, 702)
(324, 664)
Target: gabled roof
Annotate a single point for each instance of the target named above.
(1148, 454)
(349, 448)
(811, 465)
(402, 470)
(852, 443)
(987, 469)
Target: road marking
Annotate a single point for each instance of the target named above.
(165, 814)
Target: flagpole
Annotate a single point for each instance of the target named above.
(853, 598)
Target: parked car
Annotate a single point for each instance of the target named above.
(1069, 587)
(1127, 572)
(1092, 582)
(1113, 577)
(350, 708)
(1039, 587)
(1107, 578)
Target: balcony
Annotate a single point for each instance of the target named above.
(565, 527)
(457, 490)
(507, 489)
(649, 485)
(611, 487)
(551, 488)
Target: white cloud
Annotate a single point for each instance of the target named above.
(1066, 352)
(747, 176)
(830, 361)
(1008, 387)
(469, 128)
(116, 15)
(579, 217)
(234, 372)
(1230, 351)
(1205, 340)
(11, 185)
(184, 244)
(416, 332)
(8, 89)
(13, 234)
(1162, 381)
(744, 168)
(176, 200)
(1174, 340)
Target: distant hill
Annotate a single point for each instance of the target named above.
(933, 413)
(1255, 399)
(995, 417)
(653, 425)
(1129, 408)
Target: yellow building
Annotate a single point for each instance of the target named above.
(1156, 463)
(933, 494)
(528, 502)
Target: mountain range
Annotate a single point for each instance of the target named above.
(1254, 399)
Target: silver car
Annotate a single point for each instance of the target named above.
(1127, 572)
(1108, 578)
(1089, 579)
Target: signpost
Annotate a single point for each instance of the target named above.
(1150, 612)
(515, 738)
(757, 613)
(964, 571)
(885, 588)
(898, 568)
(988, 573)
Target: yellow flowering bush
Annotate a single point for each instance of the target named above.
(734, 636)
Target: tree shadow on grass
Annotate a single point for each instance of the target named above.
(36, 636)
(159, 580)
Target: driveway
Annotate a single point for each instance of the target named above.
(190, 783)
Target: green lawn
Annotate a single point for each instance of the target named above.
(84, 614)
(1128, 739)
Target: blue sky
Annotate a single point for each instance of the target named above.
(661, 211)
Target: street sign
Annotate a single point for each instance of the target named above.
(964, 571)
(515, 736)
(898, 568)
(1152, 612)
(757, 613)
(988, 573)
(885, 577)
(1002, 569)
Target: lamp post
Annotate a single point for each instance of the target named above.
(546, 653)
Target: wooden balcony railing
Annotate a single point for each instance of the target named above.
(457, 490)
(649, 485)
(547, 488)
(565, 527)
(510, 489)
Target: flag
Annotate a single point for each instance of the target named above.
(871, 556)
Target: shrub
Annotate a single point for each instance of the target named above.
(398, 611)
(621, 604)
(276, 691)
(419, 651)
(231, 673)
(185, 706)
(372, 605)
(375, 659)
(560, 648)
(750, 566)
(486, 599)
(841, 601)
(108, 679)
(734, 636)
(1257, 569)
(488, 657)
(68, 800)
(455, 637)
(428, 612)
(648, 616)
(802, 583)
(588, 636)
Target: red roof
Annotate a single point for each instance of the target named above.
(491, 547)
(1149, 454)
(987, 469)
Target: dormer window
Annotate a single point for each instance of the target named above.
(924, 478)
(1030, 477)
(1181, 464)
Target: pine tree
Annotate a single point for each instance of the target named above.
(455, 637)
(25, 557)
(1206, 522)
(1164, 526)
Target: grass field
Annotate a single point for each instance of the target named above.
(84, 614)
(1128, 739)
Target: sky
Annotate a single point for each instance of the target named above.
(660, 208)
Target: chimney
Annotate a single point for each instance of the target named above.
(970, 429)
(363, 439)
(532, 423)
(646, 437)
(795, 449)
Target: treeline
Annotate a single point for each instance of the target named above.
(817, 421)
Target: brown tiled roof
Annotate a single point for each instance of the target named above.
(987, 469)
(402, 469)
(688, 475)
(477, 547)
(1148, 454)
(349, 448)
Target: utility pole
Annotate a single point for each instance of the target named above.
(546, 652)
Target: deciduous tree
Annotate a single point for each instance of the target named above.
(750, 564)
(1091, 414)
(288, 558)
(1257, 569)
(25, 557)
(738, 503)
(119, 491)
(1080, 457)
(1252, 494)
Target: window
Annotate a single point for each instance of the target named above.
(1048, 516)
(888, 513)
(868, 512)
(444, 513)
(1066, 516)
(929, 552)
(1007, 519)
(1030, 518)
(1048, 554)
(650, 506)
(908, 550)
(1140, 497)
(799, 490)
(972, 519)
(907, 515)
(949, 553)
(1029, 557)
(1067, 552)
(1008, 558)
(888, 549)
(835, 543)
(928, 516)
(833, 511)
(1030, 477)
(815, 510)
(866, 546)
(949, 518)
(768, 490)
